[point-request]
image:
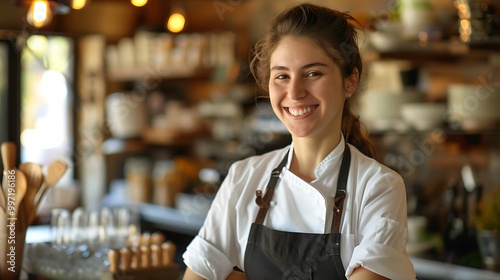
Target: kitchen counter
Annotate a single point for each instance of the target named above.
(426, 269)
(434, 270)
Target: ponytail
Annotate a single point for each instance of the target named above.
(354, 133)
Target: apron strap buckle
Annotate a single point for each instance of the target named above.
(276, 173)
(260, 201)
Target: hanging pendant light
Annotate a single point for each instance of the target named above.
(139, 3)
(79, 4)
(39, 13)
(177, 18)
(176, 22)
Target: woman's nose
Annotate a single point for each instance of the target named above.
(297, 89)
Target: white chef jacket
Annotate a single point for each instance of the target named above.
(373, 228)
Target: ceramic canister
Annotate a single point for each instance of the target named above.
(125, 113)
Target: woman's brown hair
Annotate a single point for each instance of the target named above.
(336, 34)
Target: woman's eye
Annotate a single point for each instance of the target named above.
(280, 77)
(313, 74)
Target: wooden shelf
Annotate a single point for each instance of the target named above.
(435, 51)
(117, 146)
(171, 137)
(151, 75)
(446, 130)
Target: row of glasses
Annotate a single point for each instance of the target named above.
(92, 232)
(80, 241)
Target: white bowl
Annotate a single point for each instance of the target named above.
(424, 116)
(474, 106)
(384, 41)
(381, 109)
(387, 36)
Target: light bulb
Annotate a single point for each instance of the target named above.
(138, 3)
(39, 13)
(78, 4)
(176, 22)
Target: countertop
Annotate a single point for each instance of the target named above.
(426, 269)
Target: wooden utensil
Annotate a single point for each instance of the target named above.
(8, 150)
(34, 179)
(2, 198)
(14, 198)
(55, 171)
(1, 178)
(20, 187)
(8, 155)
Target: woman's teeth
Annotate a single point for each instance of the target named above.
(300, 112)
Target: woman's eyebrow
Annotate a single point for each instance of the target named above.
(315, 64)
(309, 65)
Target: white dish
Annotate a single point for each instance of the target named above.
(474, 106)
(381, 109)
(424, 116)
(476, 124)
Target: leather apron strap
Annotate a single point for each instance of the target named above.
(265, 202)
(338, 204)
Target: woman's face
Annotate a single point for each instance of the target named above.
(306, 88)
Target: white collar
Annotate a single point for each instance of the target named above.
(326, 164)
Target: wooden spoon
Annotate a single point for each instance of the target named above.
(8, 150)
(55, 171)
(1, 177)
(14, 193)
(34, 179)
(2, 196)
(8, 155)
(20, 187)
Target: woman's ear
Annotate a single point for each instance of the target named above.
(351, 83)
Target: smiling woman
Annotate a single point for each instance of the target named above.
(322, 207)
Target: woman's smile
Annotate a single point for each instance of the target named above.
(301, 111)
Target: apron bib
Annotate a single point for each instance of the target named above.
(274, 254)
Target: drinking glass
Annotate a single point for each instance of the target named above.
(107, 228)
(79, 230)
(93, 231)
(60, 228)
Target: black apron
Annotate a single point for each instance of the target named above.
(274, 254)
